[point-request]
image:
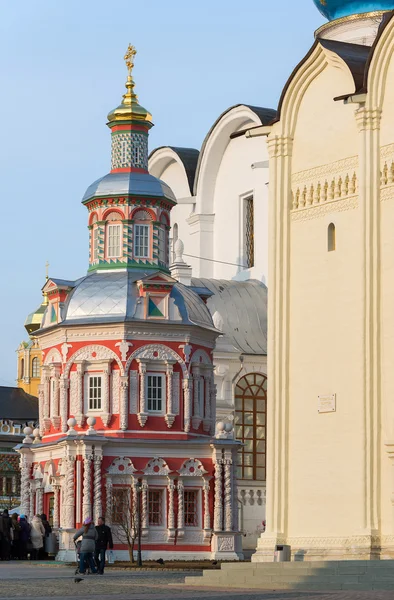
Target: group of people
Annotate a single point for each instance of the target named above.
(94, 544)
(20, 539)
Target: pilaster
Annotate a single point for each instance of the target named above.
(64, 385)
(187, 398)
(197, 380)
(181, 509)
(106, 414)
(142, 413)
(124, 402)
(171, 531)
(170, 416)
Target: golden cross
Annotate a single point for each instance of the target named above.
(46, 270)
(129, 58)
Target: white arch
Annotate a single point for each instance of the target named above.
(85, 353)
(213, 148)
(156, 352)
(160, 160)
(53, 356)
(379, 66)
(200, 357)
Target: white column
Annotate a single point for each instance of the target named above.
(80, 385)
(69, 491)
(55, 418)
(39, 498)
(56, 505)
(32, 496)
(124, 403)
(213, 389)
(142, 413)
(108, 500)
(106, 414)
(171, 514)
(207, 515)
(228, 491)
(87, 487)
(64, 384)
(187, 399)
(25, 467)
(4, 490)
(196, 419)
(41, 400)
(144, 506)
(170, 416)
(181, 509)
(97, 502)
(207, 400)
(218, 509)
(46, 383)
(235, 492)
(14, 485)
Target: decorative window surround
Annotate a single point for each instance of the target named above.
(142, 241)
(156, 393)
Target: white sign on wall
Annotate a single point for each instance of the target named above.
(327, 404)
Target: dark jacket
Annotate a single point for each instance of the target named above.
(47, 527)
(6, 526)
(88, 539)
(104, 538)
(24, 535)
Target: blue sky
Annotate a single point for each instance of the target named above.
(62, 69)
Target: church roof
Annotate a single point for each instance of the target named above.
(15, 403)
(337, 9)
(189, 159)
(239, 311)
(138, 184)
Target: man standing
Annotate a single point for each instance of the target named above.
(6, 527)
(104, 541)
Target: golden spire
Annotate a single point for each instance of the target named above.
(46, 270)
(45, 301)
(129, 108)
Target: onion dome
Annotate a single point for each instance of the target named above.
(336, 9)
(34, 319)
(129, 109)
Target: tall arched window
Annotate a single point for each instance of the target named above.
(163, 239)
(331, 237)
(114, 235)
(35, 367)
(250, 426)
(22, 368)
(142, 234)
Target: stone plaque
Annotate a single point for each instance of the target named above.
(327, 404)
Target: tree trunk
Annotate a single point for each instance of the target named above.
(130, 548)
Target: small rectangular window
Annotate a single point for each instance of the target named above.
(94, 393)
(249, 231)
(137, 155)
(113, 241)
(191, 508)
(121, 504)
(155, 392)
(124, 152)
(162, 245)
(95, 243)
(141, 241)
(155, 507)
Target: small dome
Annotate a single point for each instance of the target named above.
(34, 319)
(122, 184)
(335, 9)
(129, 109)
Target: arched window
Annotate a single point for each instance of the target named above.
(142, 234)
(94, 238)
(35, 367)
(250, 426)
(22, 368)
(114, 235)
(163, 240)
(331, 237)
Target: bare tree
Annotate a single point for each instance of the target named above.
(125, 518)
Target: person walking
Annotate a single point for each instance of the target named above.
(6, 528)
(24, 536)
(16, 529)
(88, 546)
(104, 541)
(37, 534)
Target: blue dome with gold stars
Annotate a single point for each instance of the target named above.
(335, 9)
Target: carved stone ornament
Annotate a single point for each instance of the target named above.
(226, 544)
(156, 352)
(121, 466)
(124, 349)
(65, 348)
(157, 466)
(201, 357)
(94, 352)
(187, 349)
(192, 468)
(53, 356)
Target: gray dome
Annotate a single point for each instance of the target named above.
(138, 184)
(239, 310)
(114, 297)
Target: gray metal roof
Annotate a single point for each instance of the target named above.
(16, 404)
(239, 310)
(138, 184)
(113, 297)
(189, 159)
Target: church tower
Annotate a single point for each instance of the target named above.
(127, 401)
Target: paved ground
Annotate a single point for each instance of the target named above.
(30, 581)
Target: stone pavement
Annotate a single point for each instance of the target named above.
(28, 581)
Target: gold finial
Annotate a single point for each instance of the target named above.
(46, 270)
(129, 58)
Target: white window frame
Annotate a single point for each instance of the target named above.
(137, 155)
(99, 397)
(162, 410)
(114, 251)
(141, 232)
(162, 244)
(123, 152)
(199, 507)
(35, 372)
(95, 242)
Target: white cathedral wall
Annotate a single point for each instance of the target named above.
(325, 479)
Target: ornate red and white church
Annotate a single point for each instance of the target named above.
(127, 399)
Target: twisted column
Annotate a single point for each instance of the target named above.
(80, 416)
(213, 390)
(235, 494)
(87, 487)
(108, 500)
(207, 516)
(41, 401)
(171, 513)
(142, 414)
(31, 512)
(55, 399)
(144, 507)
(228, 493)
(69, 489)
(56, 505)
(64, 384)
(218, 512)
(181, 508)
(124, 403)
(46, 383)
(187, 395)
(39, 499)
(105, 415)
(24, 464)
(97, 503)
(170, 417)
